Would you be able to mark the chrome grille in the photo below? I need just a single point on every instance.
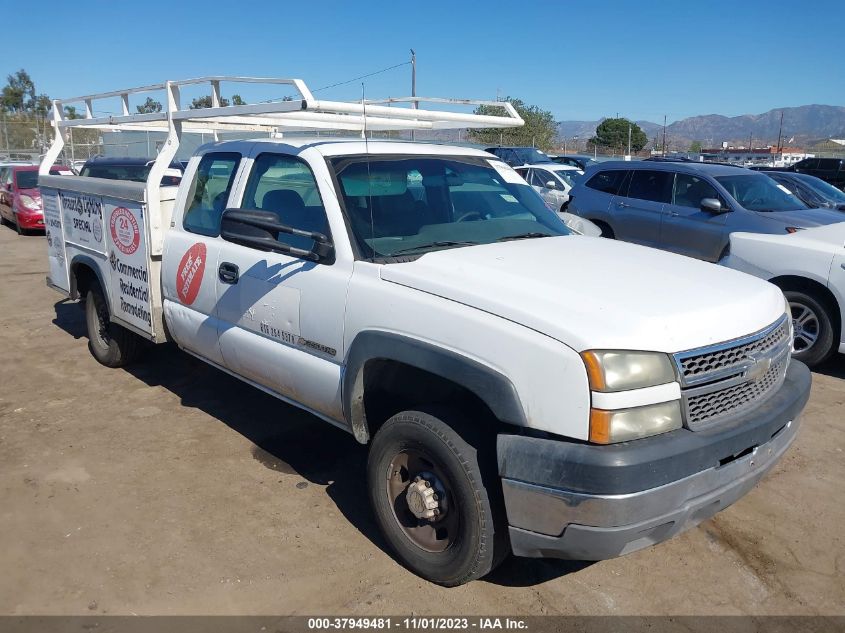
(709, 408)
(699, 366)
(724, 380)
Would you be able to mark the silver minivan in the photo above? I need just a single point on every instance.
(689, 208)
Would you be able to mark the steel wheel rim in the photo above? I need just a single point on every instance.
(805, 326)
(431, 535)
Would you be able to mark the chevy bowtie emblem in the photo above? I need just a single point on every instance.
(760, 366)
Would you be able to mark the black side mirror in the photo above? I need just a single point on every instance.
(257, 229)
(711, 205)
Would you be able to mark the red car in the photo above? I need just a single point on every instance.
(20, 199)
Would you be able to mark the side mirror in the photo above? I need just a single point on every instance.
(258, 229)
(551, 185)
(711, 205)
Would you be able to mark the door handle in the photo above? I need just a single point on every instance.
(674, 214)
(228, 273)
(622, 205)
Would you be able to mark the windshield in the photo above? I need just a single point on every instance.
(411, 205)
(569, 176)
(29, 179)
(824, 188)
(758, 192)
(531, 156)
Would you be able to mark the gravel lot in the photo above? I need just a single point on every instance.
(172, 488)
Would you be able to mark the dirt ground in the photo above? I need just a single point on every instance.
(172, 488)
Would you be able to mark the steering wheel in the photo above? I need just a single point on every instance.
(470, 214)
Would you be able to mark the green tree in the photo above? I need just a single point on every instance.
(613, 133)
(540, 129)
(695, 147)
(149, 106)
(236, 100)
(205, 102)
(18, 94)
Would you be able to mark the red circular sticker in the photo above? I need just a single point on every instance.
(124, 230)
(189, 274)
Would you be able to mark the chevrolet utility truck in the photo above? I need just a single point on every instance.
(522, 389)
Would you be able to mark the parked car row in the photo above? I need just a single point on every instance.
(20, 199)
(704, 210)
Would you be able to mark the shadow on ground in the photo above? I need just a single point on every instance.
(289, 440)
(833, 366)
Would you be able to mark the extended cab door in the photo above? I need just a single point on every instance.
(688, 230)
(281, 317)
(637, 213)
(191, 248)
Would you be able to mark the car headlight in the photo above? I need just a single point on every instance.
(30, 203)
(622, 425)
(614, 370)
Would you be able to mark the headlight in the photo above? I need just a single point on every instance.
(30, 203)
(611, 370)
(622, 425)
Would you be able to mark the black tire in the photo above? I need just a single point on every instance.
(814, 335)
(470, 531)
(606, 231)
(111, 344)
(18, 226)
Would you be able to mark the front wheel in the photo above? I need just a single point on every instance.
(812, 326)
(111, 344)
(429, 498)
(18, 227)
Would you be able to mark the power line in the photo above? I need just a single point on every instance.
(348, 81)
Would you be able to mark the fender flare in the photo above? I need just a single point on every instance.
(491, 387)
(90, 262)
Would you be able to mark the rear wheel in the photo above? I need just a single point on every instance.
(812, 325)
(427, 489)
(606, 231)
(111, 344)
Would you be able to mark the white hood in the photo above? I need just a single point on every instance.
(594, 293)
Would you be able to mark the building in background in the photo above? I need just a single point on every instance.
(764, 156)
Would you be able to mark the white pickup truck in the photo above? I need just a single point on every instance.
(522, 388)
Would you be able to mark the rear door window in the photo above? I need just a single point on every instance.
(655, 186)
(209, 193)
(607, 181)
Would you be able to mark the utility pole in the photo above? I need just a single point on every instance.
(779, 153)
(664, 136)
(414, 87)
(629, 140)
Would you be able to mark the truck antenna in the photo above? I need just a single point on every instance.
(369, 181)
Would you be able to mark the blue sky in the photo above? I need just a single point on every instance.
(581, 60)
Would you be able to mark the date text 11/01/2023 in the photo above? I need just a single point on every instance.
(417, 623)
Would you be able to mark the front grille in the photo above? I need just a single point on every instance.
(697, 367)
(709, 408)
(720, 381)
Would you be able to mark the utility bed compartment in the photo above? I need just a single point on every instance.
(107, 225)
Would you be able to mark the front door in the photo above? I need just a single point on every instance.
(281, 317)
(688, 230)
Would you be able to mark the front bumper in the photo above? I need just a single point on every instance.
(30, 219)
(584, 502)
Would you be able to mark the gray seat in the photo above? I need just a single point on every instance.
(290, 208)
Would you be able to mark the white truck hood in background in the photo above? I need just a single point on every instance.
(594, 293)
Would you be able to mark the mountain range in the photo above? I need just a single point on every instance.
(803, 124)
